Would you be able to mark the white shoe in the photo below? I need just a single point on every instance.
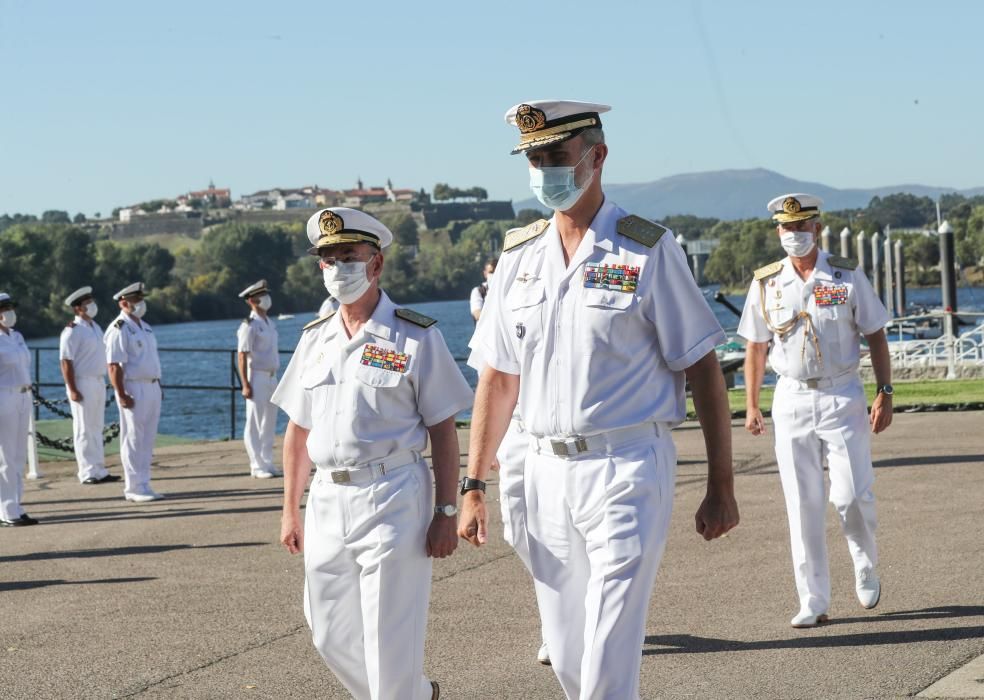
(543, 655)
(868, 586)
(805, 619)
(143, 497)
(262, 474)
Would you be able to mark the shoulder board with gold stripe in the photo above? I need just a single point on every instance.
(517, 238)
(119, 323)
(843, 263)
(640, 230)
(415, 318)
(318, 321)
(768, 270)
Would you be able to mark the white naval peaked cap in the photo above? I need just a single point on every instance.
(6, 298)
(254, 289)
(542, 122)
(135, 288)
(79, 293)
(794, 207)
(343, 225)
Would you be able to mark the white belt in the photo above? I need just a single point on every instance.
(155, 380)
(575, 445)
(367, 473)
(16, 389)
(822, 382)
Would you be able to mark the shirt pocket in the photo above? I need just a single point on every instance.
(377, 378)
(526, 310)
(604, 310)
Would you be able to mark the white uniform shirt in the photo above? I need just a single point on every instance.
(842, 305)
(259, 338)
(370, 396)
(596, 359)
(328, 306)
(82, 343)
(134, 346)
(15, 360)
(477, 300)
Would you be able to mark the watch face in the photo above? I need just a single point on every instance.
(888, 389)
(447, 510)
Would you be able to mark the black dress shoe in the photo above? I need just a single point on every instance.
(91, 480)
(108, 478)
(23, 521)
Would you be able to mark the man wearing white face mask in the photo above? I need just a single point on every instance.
(259, 359)
(594, 324)
(15, 413)
(364, 390)
(135, 373)
(814, 307)
(83, 366)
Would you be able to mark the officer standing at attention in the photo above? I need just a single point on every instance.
(259, 360)
(83, 366)
(595, 324)
(814, 307)
(135, 373)
(364, 390)
(15, 414)
(478, 294)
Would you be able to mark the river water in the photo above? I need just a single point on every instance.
(205, 414)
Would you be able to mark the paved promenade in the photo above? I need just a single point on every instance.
(191, 597)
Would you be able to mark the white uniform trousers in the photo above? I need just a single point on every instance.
(597, 529)
(138, 429)
(88, 417)
(261, 421)
(812, 424)
(15, 413)
(367, 580)
(512, 492)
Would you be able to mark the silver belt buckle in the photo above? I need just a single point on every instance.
(340, 476)
(569, 447)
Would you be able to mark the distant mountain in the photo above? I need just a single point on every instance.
(739, 194)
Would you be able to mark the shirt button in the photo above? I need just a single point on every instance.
(337, 443)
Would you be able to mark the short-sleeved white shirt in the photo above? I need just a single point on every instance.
(594, 359)
(132, 344)
(81, 342)
(477, 301)
(15, 360)
(258, 337)
(373, 395)
(842, 305)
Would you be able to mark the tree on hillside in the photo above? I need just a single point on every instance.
(55, 216)
(692, 227)
(901, 211)
(402, 226)
(524, 217)
(444, 192)
(79, 218)
(743, 247)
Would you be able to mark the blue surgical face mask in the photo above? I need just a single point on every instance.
(556, 187)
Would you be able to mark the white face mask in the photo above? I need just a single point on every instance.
(265, 302)
(91, 309)
(346, 281)
(798, 244)
(139, 309)
(9, 318)
(556, 187)
(488, 279)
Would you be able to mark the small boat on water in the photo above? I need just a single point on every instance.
(285, 317)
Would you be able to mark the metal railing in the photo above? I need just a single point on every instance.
(950, 349)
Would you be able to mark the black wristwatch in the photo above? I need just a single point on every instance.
(469, 484)
(886, 389)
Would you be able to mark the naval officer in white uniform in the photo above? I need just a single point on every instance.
(364, 390)
(814, 308)
(595, 323)
(135, 373)
(259, 359)
(15, 412)
(83, 366)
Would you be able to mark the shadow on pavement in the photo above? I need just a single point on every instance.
(120, 551)
(172, 496)
(927, 461)
(28, 585)
(114, 515)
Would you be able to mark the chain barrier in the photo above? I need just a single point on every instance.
(110, 432)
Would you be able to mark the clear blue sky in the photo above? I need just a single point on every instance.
(110, 103)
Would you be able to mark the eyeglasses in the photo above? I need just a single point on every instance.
(330, 260)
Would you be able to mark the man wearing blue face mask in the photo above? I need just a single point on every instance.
(594, 326)
(814, 307)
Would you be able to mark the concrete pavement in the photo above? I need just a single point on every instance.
(192, 598)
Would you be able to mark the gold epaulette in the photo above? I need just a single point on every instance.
(415, 318)
(843, 263)
(528, 233)
(318, 321)
(768, 270)
(640, 230)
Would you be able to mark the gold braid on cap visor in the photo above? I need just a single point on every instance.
(559, 129)
(784, 329)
